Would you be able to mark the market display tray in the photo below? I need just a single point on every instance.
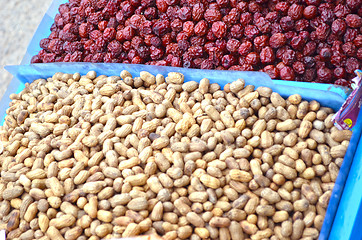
(328, 95)
(342, 219)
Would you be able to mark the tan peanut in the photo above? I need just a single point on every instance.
(92, 157)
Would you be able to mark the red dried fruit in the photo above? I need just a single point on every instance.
(354, 21)
(267, 55)
(272, 17)
(246, 67)
(263, 25)
(176, 25)
(358, 41)
(252, 58)
(295, 11)
(115, 48)
(324, 75)
(49, 57)
(198, 12)
(155, 41)
(322, 31)
(176, 62)
(282, 7)
(156, 53)
(325, 54)
(161, 5)
(251, 31)
(297, 43)
(44, 43)
(102, 25)
(161, 27)
(136, 42)
(272, 71)
(109, 34)
(55, 46)
(301, 25)
(342, 82)
(350, 35)
(287, 73)
(245, 18)
(339, 27)
(288, 57)
(236, 68)
(352, 64)
(245, 48)
(201, 28)
(232, 45)
(260, 42)
(310, 48)
(341, 11)
(339, 72)
(219, 29)
(287, 23)
(195, 52)
(310, 12)
(313, 2)
(254, 7)
(359, 54)
(188, 28)
(284, 35)
(349, 49)
(309, 75)
(197, 41)
(185, 13)
(354, 4)
(36, 59)
(277, 40)
(299, 67)
(212, 15)
(228, 61)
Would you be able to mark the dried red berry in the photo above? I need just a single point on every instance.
(272, 71)
(219, 29)
(267, 55)
(310, 12)
(352, 64)
(299, 67)
(339, 72)
(295, 11)
(212, 15)
(277, 40)
(245, 48)
(287, 73)
(354, 21)
(324, 75)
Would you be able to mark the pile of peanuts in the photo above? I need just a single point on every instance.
(92, 157)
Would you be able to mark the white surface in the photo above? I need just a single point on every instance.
(18, 22)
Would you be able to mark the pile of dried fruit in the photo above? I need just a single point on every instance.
(89, 157)
(309, 40)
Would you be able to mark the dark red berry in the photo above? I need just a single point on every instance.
(219, 29)
(267, 55)
(287, 73)
(277, 40)
(324, 75)
(272, 71)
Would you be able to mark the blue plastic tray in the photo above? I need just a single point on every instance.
(327, 95)
(346, 222)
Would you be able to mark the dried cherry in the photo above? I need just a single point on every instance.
(297, 40)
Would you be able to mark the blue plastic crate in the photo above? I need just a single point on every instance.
(343, 225)
(327, 95)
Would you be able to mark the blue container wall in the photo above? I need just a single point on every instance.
(346, 223)
(327, 95)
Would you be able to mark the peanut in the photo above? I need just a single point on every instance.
(87, 157)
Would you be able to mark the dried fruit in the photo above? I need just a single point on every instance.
(87, 31)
